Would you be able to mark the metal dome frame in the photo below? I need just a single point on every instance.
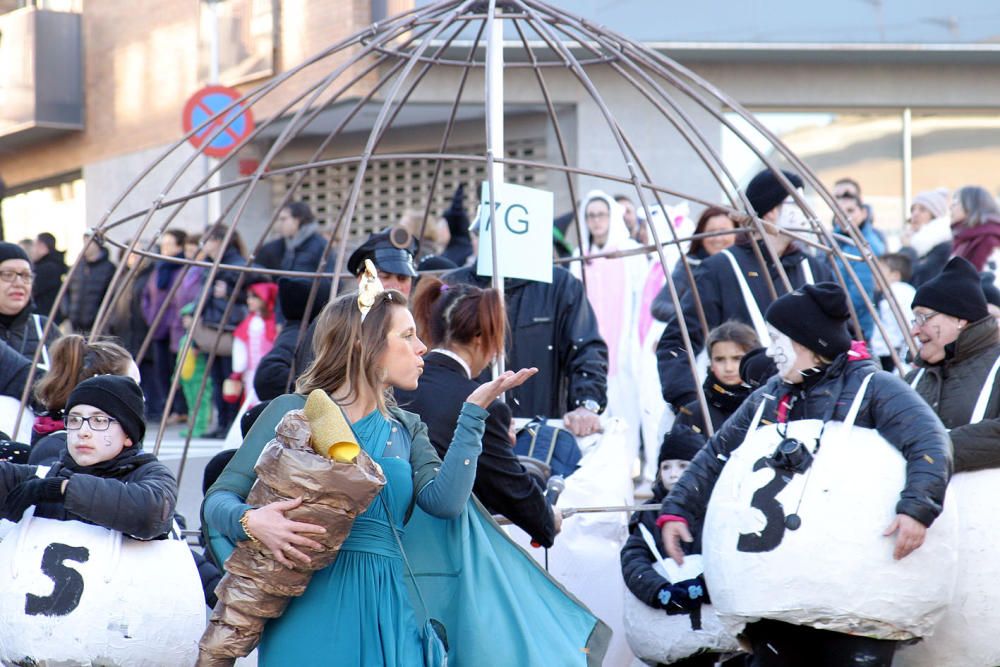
(398, 53)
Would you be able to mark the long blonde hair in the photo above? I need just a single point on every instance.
(347, 351)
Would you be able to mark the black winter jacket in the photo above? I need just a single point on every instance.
(931, 264)
(18, 342)
(636, 559)
(889, 406)
(21, 332)
(722, 300)
(304, 257)
(270, 380)
(722, 401)
(87, 289)
(952, 388)
(215, 306)
(502, 484)
(126, 321)
(662, 307)
(49, 272)
(553, 328)
(14, 370)
(139, 503)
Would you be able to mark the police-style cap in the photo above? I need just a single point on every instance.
(392, 251)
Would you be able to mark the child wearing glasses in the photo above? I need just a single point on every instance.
(104, 477)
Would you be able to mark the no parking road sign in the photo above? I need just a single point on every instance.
(237, 124)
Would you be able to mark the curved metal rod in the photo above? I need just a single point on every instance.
(289, 131)
(630, 165)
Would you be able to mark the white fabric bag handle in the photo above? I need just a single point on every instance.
(852, 414)
(807, 271)
(44, 366)
(751, 303)
(755, 422)
(979, 411)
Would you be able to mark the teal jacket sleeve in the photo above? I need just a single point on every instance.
(224, 503)
(446, 494)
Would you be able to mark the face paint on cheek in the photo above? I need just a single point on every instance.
(106, 441)
(780, 350)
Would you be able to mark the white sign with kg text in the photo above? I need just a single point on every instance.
(523, 218)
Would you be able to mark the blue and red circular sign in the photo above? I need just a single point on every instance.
(236, 124)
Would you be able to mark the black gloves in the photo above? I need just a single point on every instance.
(32, 492)
(684, 597)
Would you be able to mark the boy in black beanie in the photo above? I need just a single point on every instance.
(104, 478)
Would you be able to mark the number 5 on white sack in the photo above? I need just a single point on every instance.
(71, 592)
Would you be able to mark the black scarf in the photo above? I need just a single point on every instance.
(726, 397)
(165, 272)
(127, 460)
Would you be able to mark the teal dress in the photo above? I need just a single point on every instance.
(473, 577)
(357, 609)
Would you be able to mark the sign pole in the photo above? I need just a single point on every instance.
(494, 139)
(215, 180)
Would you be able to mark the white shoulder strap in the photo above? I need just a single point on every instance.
(755, 422)
(44, 366)
(852, 414)
(807, 271)
(748, 298)
(916, 378)
(984, 394)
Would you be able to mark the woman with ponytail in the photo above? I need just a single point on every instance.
(73, 360)
(465, 326)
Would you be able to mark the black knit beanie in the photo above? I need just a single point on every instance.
(117, 396)
(814, 316)
(12, 251)
(956, 291)
(765, 191)
(682, 443)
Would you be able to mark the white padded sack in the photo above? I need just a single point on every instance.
(967, 634)
(76, 594)
(585, 557)
(8, 415)
(656, 637)
(836, 571)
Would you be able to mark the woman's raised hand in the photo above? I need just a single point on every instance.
(488, 392)
(280, 535)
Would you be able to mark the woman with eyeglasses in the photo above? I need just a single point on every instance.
(21, 329)
(957, 368)
(104, 477)
(821, 376)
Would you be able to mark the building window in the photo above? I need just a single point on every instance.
(392, 187)
(239, 36)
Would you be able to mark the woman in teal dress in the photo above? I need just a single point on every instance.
(357, 611)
